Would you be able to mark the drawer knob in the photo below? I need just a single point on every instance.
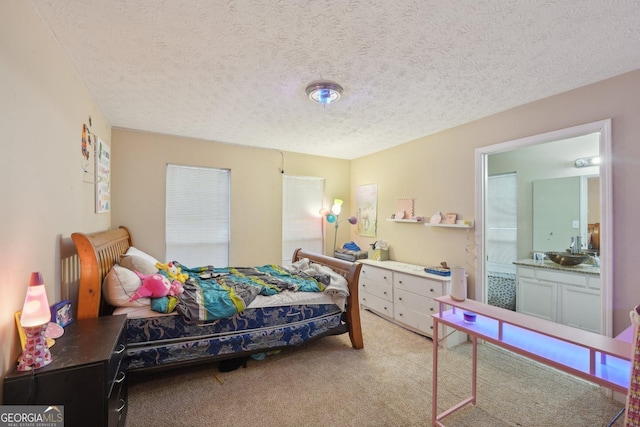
(400, 298)
(120, 349)
(400, 314)
(430, 327)
(385, 277)
(431, 290)
(431, 308)
(400, 281)
(121, 377)
(122, 405)
(385, 292)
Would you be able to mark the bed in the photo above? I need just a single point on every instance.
(157, 341)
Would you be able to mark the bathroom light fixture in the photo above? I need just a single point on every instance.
(324, 92)
(587, 161)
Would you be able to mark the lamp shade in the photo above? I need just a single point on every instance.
(36, 310)
(337, 206)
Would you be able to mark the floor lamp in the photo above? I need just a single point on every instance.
(333, 218)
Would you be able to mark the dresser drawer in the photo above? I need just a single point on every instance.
(418, 285)
(379, 289)
(416, 320)
(117, 406)
(116, 361)
(376, 274)
(377, 304)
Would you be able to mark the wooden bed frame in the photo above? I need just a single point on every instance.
(98, 252)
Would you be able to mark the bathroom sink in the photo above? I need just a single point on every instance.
(567, 259)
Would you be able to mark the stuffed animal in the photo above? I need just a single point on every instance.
(173, 271)
(156, 286)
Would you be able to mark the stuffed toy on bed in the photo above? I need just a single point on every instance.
(156, 286)
(173, 271)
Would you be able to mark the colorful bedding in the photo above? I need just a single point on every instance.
(217, 293)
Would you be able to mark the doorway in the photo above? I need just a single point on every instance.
(602, 131)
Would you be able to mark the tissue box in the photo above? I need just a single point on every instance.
(379, 254)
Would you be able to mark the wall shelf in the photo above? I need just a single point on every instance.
(458, 224)
(414, 221)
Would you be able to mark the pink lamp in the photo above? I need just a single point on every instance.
(36, 315)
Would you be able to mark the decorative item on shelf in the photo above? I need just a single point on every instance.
(436, 218)
(450, 218)
(469, 317)
(34, 321)
(458, 284)
(333, 218)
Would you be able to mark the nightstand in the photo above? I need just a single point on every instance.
(87, 375)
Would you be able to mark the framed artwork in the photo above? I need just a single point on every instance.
(61, 313)
(366, 209)
(103, 177)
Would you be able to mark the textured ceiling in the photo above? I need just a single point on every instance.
(236, 71)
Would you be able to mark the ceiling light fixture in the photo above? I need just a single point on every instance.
(324, 92)
(587, 161)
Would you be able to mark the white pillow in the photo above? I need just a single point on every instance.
(119, 285)
(138, 263)
(138, 252)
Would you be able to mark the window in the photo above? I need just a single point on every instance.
(301, 220)
(197, 216)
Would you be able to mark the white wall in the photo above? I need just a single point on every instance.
(43, 106)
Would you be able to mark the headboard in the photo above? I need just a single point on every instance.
(98, 252)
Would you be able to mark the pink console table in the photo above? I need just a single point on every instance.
(596, 358)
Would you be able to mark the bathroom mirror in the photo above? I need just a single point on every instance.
(564, 208)
(538, 158)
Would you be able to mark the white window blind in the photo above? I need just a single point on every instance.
(301, 220)
(197, 216)
(502, 223)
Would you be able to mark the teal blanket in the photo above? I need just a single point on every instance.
(215, 293)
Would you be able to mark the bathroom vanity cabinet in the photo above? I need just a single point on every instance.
(565, 295)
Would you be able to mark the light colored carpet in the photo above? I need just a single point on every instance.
(388, 383)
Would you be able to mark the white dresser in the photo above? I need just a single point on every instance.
(404, 294)
(566, 295)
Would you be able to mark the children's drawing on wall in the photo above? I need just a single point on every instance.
(103, 177)
(366, 209)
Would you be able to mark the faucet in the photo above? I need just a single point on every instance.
(576, 245)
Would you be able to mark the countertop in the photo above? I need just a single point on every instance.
(550, 265)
